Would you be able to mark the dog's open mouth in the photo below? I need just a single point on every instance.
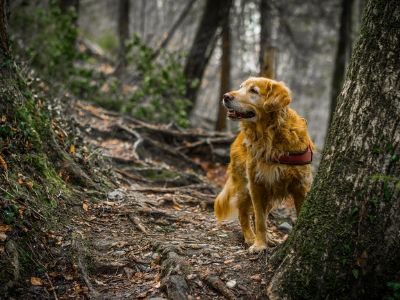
(234, 115)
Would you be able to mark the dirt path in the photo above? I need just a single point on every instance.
(145, 240)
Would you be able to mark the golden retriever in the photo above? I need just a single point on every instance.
(270, 157)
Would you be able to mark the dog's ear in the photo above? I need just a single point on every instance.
(278, 97)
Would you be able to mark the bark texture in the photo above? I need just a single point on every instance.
(203, 45)
(267, 48)
(346, 244)
(225, 76)
(123, 33)
(343, 52)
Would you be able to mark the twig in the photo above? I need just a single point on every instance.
(52, 286)
(135, 220)
(130, 176)
(86, 278)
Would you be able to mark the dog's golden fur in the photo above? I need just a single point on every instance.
(269, 129)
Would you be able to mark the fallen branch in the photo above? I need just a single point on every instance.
(51, 286)
(219, 286)
(136, 221)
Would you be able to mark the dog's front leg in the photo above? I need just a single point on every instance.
(258, 197)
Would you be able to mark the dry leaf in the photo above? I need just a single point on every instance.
(85, 206)
(256, 277)
(3, 164)
(5, 228)
(36, 281)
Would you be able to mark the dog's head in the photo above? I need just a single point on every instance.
(255, 98)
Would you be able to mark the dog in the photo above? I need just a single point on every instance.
(269, 159)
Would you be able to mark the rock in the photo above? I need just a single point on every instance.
(3, 236)
(116, 195)
(285, 227)
(177, 288)
(231, 284)
(256, 277)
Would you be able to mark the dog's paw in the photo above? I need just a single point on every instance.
(249, 239)
(256, 247)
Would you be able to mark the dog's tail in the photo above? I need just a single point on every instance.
(224, 206)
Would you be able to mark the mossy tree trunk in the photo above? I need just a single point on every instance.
(346, 243)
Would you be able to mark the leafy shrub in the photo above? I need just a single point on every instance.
(49, 37)
(160, 95)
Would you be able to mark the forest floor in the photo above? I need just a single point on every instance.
(149, 237)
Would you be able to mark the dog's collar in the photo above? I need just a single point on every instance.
(297, 158)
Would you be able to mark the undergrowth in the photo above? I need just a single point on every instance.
(150, 89)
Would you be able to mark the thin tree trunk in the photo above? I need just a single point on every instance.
(346, 243)
(225, 73)
(143, 19)
(203, 46)
(67, 5)
(174, 27)
(123, 33)
(343, 53)
(267, 56)
(4, 50)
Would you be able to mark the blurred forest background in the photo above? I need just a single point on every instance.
(170, 61)
(114, 144)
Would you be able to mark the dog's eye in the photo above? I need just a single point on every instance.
(253, 90)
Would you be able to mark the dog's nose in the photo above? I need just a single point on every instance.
(227, 97)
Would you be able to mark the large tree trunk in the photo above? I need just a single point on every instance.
(267, 58)
(343, 52)
(225, 73)
(123, 33)
(203, 46)
(346, 243)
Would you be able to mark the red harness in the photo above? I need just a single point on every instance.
(301, 158)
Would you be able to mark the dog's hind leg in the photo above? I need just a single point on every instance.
(299, 193)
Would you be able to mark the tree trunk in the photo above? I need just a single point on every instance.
(225, 73)
(123, 33)
(203, 46)
(346, 243)
(343, 52)
(66, 5)
(267, 56)
(171, 32)
(143, 20)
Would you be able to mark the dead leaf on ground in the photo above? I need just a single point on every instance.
(5, 228)
(36, 281)
(85, 206)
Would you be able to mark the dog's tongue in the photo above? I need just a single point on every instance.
(235, 114)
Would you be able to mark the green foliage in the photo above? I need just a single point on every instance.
(50, 37)
(108, 42)
(46, 37)
(160, 95)
(395, 291)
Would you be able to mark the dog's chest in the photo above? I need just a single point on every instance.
(268, 174)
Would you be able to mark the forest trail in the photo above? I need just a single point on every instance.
(155, 237)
